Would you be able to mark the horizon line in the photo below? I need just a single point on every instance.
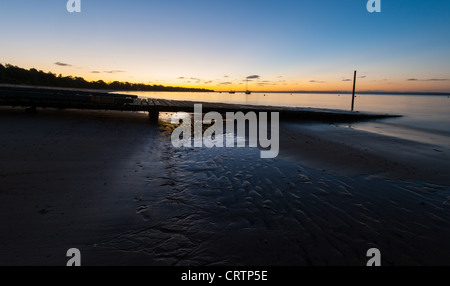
(348, 92)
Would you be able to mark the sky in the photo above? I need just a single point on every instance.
(282, 45)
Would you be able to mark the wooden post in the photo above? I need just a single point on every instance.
(354, 87)
(153, 115)
(31, 110)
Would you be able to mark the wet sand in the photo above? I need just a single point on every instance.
(347, 151)
(111, 184)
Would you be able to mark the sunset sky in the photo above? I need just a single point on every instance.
(289, 45)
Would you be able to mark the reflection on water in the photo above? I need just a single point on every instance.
(334, 101)
(425, 118)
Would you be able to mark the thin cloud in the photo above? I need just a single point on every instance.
(347, 79)
(225, 83)
(264, 83)
(189, 79)
(63, 64)
(225, 76)
(430, 79)
(253, 76)
(437, 79)
(316, 81)
(363, 76)
(114, 71)
(95, 72)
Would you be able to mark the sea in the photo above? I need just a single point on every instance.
(424, 118)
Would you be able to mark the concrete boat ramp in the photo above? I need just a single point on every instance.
(33, 97)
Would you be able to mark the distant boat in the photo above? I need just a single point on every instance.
(232, 92)
(247, 91)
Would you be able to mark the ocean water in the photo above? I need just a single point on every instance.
(425, 118)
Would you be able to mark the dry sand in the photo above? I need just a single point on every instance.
(111, 184)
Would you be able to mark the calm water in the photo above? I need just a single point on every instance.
(425, 118)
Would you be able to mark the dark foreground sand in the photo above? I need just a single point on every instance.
(111, 184)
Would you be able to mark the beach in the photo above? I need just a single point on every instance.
(112, 185)
(352, 152)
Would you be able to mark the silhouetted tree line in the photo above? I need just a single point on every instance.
(15, 75)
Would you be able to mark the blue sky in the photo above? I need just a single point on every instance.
(291, 45)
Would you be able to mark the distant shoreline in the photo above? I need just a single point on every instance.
(361, 92)
(10, 74)
(93, 90)
(289, 92)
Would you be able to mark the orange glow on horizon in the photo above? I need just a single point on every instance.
(271, 85)
(397, 85)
